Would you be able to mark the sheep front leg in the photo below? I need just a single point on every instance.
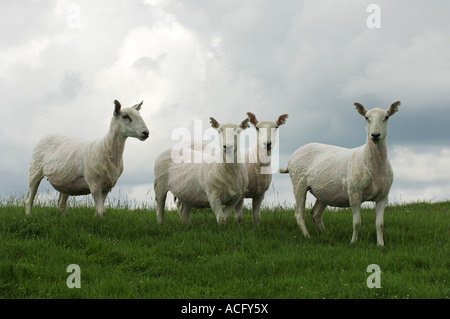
(99, 200)
(379, 222)
(184, 211)
(238, 210)
(256, 205)
(216, 206)
(62, 202)
(229, 208)
(356, 210)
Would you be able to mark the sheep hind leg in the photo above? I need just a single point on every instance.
(160, 196)
(62, 202)
(300, 201)
(316, 214)
(34, 181)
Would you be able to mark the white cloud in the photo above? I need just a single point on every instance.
(427, 194)
(412, 165)
(161, 63)
(192, 60)
(420, 174)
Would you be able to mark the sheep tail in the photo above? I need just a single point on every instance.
(284, 170)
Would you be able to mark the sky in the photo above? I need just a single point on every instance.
(63, 63)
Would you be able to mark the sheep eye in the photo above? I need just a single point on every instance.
(126, 117)
(386, 118)
(367, 119)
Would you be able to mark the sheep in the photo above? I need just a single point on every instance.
(76, 167)
(220, 179)
(344, 177)
(257, 163)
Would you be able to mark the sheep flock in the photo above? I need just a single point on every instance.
(227, 174)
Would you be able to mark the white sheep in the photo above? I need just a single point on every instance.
(344, 177)
(220, 179)
(76, 167)
(258, 162)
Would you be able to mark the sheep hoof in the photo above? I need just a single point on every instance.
(101, 214)
(221, 221)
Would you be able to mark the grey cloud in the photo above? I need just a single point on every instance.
(146, 64)
(310, 59)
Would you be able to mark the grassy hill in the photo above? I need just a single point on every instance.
(126, 255)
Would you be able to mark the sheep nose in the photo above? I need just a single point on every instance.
(268, 146)
(375, 137)
(145, 134)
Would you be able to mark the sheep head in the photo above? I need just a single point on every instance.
(229, 136)
(377, 120)
(267, 131)
(129, 122)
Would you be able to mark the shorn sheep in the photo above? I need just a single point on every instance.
(345, 177)
(258, 163)
(76, 167)
(220, 179)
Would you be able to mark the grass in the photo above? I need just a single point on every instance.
(126, 255)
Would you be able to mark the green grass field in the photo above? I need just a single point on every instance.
(126, 255)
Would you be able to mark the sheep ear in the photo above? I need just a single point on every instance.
(282, 119)
(252, 118)
(213, 122)
(244, 124)
(117, 107)
(360, 108)
(393, 108)
(137, 107)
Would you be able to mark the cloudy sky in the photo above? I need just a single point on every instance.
(62, 64)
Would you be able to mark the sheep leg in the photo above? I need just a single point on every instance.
(62, 202)
(238, 211)
(161, 202)
(216, 206)
(316, 214)
(34, 181)
(300, 200)
(229, 209)
(256, 204)
(356, 210)
(379, 222)
(99, 200)
(184, 211)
